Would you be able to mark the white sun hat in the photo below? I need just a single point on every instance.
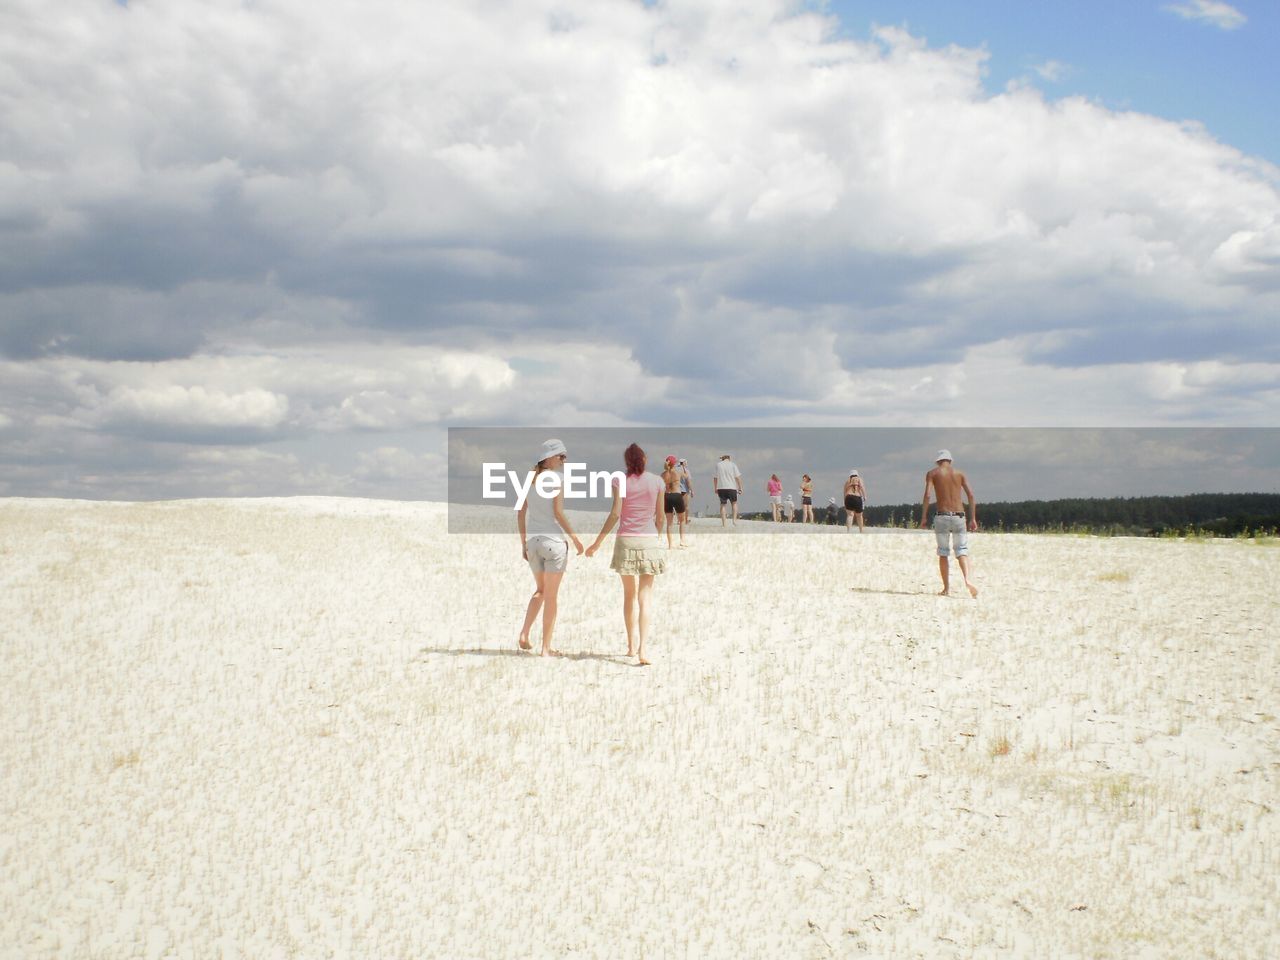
(942, 455)
(853, 473)
(551, 448)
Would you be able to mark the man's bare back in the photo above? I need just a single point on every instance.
(948, 485)
(955, 499)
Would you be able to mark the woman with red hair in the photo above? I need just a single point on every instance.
(638, 556)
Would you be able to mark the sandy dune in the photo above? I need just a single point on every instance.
(300, 729)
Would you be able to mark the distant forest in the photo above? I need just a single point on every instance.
(1219, 514)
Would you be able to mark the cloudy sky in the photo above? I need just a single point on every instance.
(254, 247)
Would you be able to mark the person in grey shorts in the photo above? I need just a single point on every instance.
(956, 518)
(543, 528)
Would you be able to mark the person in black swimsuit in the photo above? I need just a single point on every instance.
(855, 495)
(673, 502)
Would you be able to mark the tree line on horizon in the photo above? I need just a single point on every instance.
(1217, 514)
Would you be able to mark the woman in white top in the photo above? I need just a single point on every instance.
(543, 526)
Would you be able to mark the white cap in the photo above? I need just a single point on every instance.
(551, 448)
(853, 473)
(942, 455)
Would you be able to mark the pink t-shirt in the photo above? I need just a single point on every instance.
(636, 519)
(775, 487)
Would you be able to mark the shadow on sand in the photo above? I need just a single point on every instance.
(513, 652)
(897, 593)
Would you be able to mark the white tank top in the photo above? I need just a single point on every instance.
(540, 518)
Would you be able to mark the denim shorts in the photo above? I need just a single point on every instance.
(950, 529)
(547, 554)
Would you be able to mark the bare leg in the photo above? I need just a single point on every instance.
(550, 593)
(684, 522)
(735, 513)
(945, 569)
(670, 524)
(860, 527)
(964, 569)
(848, 522)
(722, 523)
(531, 613)
(646, 595)
(629, 611)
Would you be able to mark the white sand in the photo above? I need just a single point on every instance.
(300, 729)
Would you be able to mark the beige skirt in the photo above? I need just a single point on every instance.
(633, 556)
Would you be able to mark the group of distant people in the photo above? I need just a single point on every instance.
(784, 507)
(651, 502)
(728, 481)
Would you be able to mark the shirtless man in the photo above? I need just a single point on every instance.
(949, 524)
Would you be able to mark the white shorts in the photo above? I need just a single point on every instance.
(950, 529)
(547, 554)
(777, 500)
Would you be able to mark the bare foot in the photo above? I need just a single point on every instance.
(552, 653)
(944, 592)
(643, 662)
(973, 591)
(525, 644)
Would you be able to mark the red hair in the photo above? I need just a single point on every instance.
(634, 458)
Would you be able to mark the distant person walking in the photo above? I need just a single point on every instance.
(833, 510)
(806, 497)
(789, 509)
(543, 528)
(673, 500)
(855, 500)
(638, 556)
(686, 491)
(949, 523)
(728, 481)
(773, 487)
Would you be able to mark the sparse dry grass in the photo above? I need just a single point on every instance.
(118, 760)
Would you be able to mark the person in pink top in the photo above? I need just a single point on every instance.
(774, 488)
(638, 556)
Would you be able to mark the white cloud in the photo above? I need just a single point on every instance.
(1219, 14)
(328, 390)
(232, 223)
(401, 468)
(1052, 70)
(174, 405)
